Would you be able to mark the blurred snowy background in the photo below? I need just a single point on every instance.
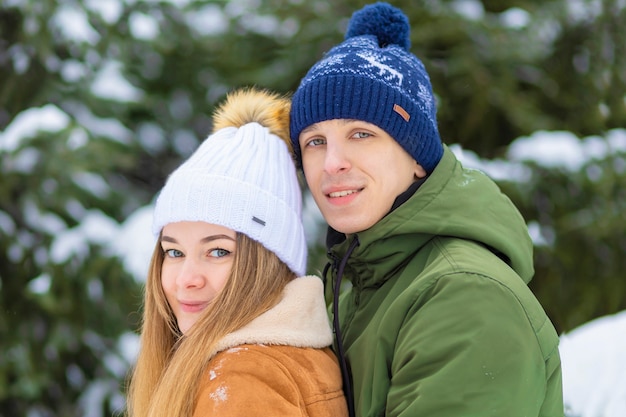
(101, 99)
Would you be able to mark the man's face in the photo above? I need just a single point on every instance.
(355, 171)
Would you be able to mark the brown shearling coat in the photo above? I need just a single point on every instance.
(279, 364)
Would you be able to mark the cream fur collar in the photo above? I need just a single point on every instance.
(299, 319)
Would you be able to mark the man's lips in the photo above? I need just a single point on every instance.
(341, 197)
(343, 193)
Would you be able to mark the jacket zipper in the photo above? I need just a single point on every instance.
(339, 269)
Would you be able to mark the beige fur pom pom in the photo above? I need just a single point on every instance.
(250, 105)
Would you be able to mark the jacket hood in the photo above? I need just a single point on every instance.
(456, 202)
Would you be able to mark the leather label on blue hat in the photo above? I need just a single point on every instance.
(403, 113)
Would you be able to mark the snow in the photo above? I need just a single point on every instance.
(111, 84)
(219, 395)
(594, 368)
(143, 26)
(73, 24)
(131, 241)
(7, 225)
(92, 183)
(515, 18)
(135, 242)
(593, 355)
(540, 235)
(94, 228)
(72, 70)
(583, 10)
(41, 284)
(565, 150)
(109, 10)
(109, 128)
(498, 169)
(469, 9)
(26, 124)
(550, 149)
(208, 20)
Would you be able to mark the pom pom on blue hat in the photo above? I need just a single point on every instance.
(389, 25)
(372, 76)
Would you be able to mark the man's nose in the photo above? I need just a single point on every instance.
(337, 158)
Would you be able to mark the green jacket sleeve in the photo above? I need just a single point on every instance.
(469, 347)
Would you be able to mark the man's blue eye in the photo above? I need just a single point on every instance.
(316, 142)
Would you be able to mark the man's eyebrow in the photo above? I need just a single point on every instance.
(203, 240)
(309, 128)
(314, 125)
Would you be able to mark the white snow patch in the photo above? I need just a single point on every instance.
(109, 10)
(73, 24)
(111, 84)
(594, 369)
(470, 9)
(515, 18)
(219, 395)
(143, 26)
(29, 122)
(134, 243)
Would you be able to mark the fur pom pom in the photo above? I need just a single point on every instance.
(384, 21)
(251, 105)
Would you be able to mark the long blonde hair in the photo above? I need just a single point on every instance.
(167, 373)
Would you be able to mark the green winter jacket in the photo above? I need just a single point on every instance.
(439, 320)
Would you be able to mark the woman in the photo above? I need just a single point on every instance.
(230, 325)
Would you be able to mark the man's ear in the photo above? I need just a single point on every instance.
(419, 171)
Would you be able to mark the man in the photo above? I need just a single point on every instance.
(439, 320)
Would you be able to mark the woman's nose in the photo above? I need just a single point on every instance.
(192, 274)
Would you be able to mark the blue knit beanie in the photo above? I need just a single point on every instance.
(373, 77)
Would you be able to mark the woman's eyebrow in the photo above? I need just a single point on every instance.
(216, 237)
(203, 240)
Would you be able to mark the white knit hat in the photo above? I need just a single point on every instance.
(242, 177)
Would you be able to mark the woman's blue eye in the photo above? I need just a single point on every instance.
(219, 253)
(361, 135)
(173, 253)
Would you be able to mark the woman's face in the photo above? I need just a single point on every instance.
(197, 262)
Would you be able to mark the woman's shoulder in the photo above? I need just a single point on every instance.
(253, 358)
(287, 374)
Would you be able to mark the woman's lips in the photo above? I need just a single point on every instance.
(192, 306)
